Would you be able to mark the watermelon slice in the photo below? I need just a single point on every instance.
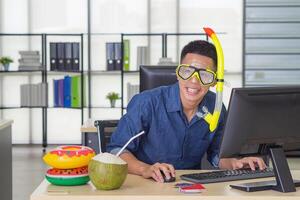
(68, 177)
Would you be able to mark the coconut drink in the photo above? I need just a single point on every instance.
(107, 171)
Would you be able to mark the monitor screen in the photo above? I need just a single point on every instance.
(156, 75)
(259, 116)
(264, 121)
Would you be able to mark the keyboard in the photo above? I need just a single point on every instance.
(227, 175)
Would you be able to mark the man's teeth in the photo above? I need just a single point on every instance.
(192, 90)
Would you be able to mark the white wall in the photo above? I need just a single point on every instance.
(14, 16)
(58, 16)
(38, 16)
(222, 16)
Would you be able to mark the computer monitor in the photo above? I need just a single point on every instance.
(264, 121)
(156, 75)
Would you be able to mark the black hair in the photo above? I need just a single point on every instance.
(200, 47)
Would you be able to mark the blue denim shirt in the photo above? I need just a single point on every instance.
(169, 137)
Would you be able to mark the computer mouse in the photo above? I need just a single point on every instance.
(171, 179)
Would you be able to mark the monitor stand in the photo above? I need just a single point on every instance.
(284, 181)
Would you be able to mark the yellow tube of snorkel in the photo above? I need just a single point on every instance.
(213, 119)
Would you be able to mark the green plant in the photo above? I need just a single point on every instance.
(112, 96)
(5, 60)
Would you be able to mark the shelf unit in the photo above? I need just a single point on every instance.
(135, 72)
(50, 73)
(27, 73)
(162, 47)
(271, 43)
(45, 73)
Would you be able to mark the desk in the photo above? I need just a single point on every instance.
(6, 159)
(135, 187)
(90, 135)
(89, 138)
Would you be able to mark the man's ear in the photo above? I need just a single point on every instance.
(215, 83)
(177, 77)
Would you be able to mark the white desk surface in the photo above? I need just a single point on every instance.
(88, 129)
(135, 187)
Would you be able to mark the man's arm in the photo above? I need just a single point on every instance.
(138, 167)
(229, 163)
(137, 118)
(234, 163)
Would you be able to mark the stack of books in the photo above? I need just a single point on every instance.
(132, 90)
(33, 95)
(142, 56)
(30, 60)
(166, 61)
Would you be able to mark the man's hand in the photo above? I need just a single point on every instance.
(154, 171)
(138, 167)
(247, 162)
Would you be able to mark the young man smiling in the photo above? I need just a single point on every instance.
(176, 138)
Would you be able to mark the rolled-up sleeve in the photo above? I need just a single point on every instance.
(214, 147)
(134, 121)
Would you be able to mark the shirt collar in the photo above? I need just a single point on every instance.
(174, 102)
(173, 99)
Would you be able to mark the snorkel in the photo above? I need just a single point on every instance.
(213, 119)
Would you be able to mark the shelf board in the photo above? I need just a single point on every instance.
(108, 34)
(117, 72)
(51, 107)
(20, 34)
(105, 107)
(131, 72)
(20, 71)
(18, 107)
(104, 72)
(62, 72)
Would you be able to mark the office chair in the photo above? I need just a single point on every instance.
(104, 128)
(152, 76)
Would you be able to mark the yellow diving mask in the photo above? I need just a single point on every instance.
(206, 77)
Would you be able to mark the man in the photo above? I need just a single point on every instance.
(175, 137)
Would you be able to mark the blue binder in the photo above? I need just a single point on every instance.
(61, 92)
(67, 91)
(55, 93)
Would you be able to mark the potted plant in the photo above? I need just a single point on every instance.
(5, 61)
(112, 97)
